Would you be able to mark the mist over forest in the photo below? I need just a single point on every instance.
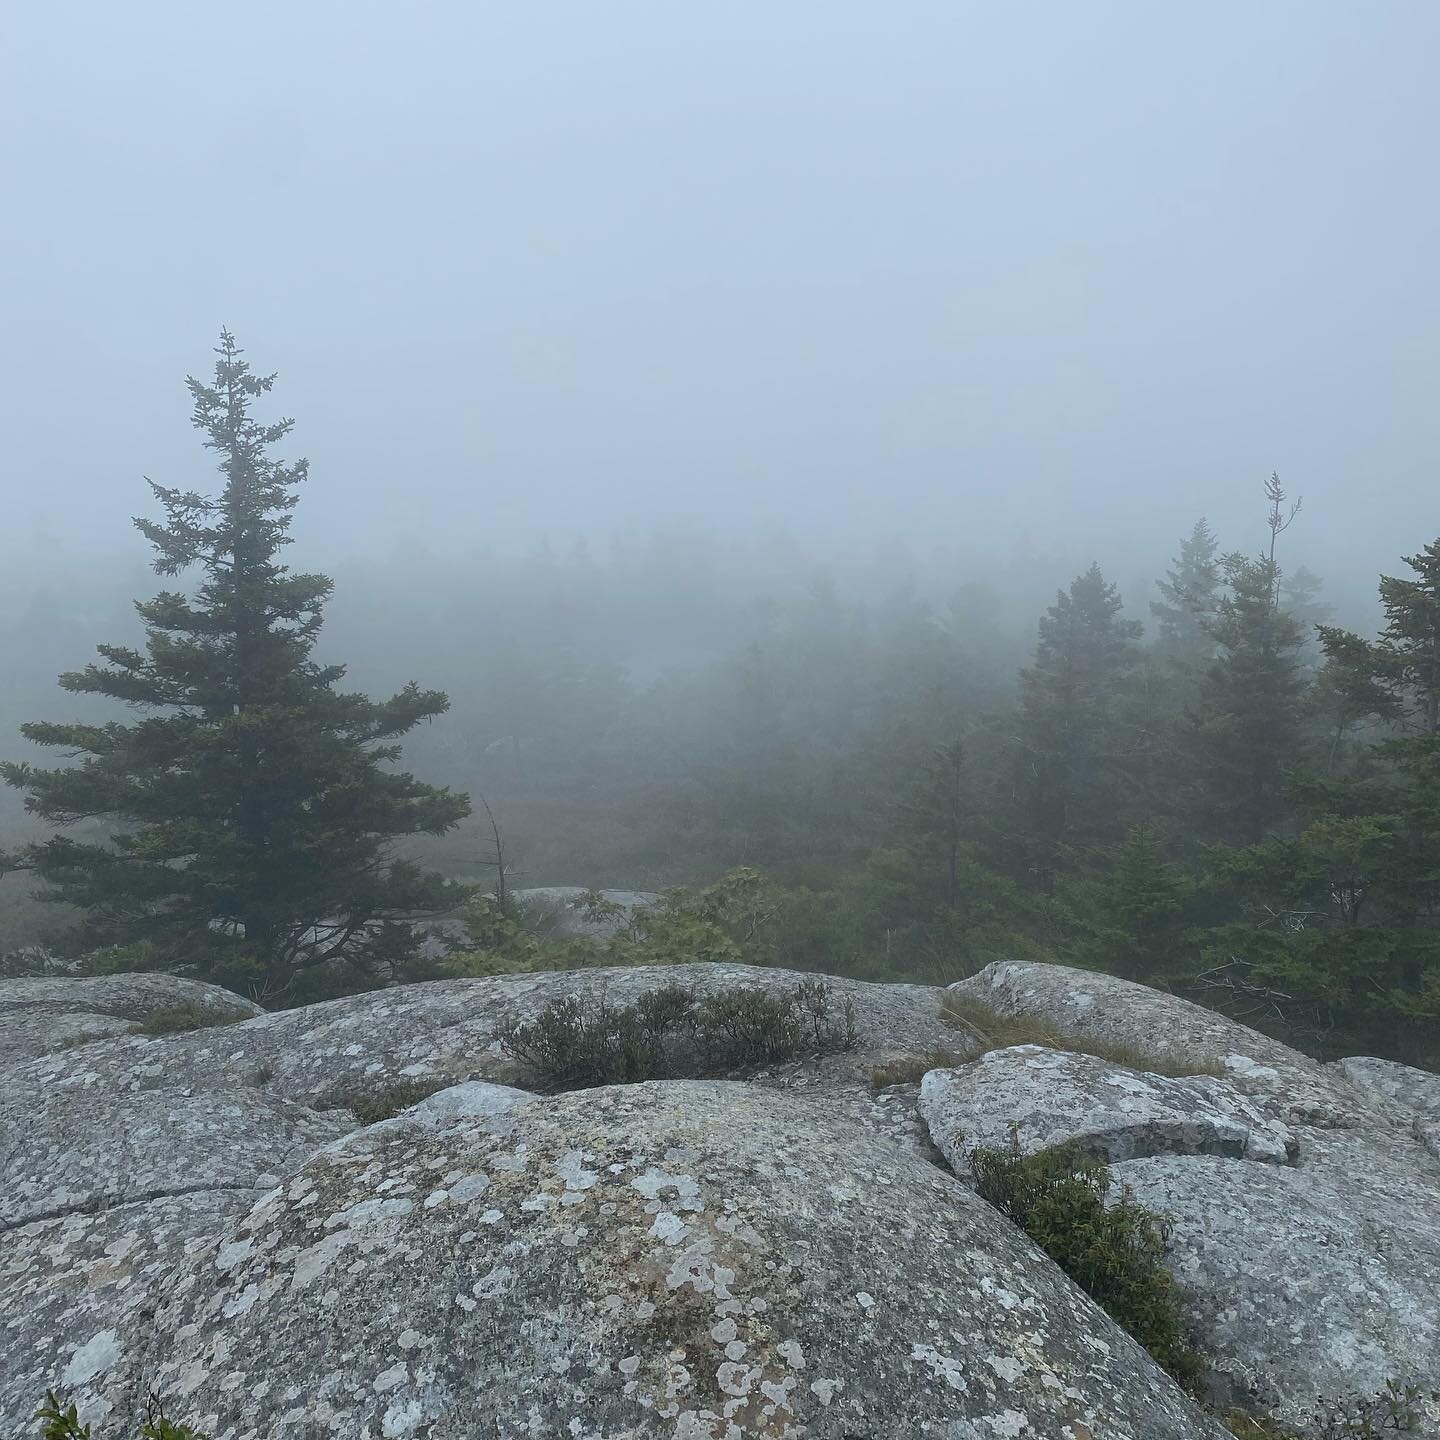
(786, 447)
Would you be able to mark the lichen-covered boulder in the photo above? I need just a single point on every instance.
(100, 1195)
(1308, 1284)
(1092, 1007)
(444, 1032)
(1036, 1098)
(696, 1260)
(71, 1285)
(40, 1015)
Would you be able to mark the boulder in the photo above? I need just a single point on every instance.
(1037, 1098)
(1090, 1007)
(41, 1015)
(1312, 1284)
(1416, 1090)
(693, 1259)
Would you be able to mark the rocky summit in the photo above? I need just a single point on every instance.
(365, 1218)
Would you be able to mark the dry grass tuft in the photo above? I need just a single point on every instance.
(997, 1031)
(911, 1069)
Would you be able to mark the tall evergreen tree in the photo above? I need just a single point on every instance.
(1246, 727)
(255, 807)
(1074, 744)
(1190, 593)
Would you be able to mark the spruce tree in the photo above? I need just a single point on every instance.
(1190, 591)
(1075, 742)
(1396, 680)
(1245, 732)
(254, 808)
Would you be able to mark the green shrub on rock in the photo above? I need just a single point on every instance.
(1111, 1250)
(672, 1031)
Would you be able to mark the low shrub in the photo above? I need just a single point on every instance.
(381, 1100)
(672, 1031)
(175, 1019)
(1112, 1251)
(997, 1031)
(62, 1423)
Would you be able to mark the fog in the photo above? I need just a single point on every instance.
(630, 340)
(999, 278)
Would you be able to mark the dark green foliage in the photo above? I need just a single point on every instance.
(62, 1422)
(671, 1031)
(1133, 917)
(1075, 745)
(253, 808)
(1246, 726)
(1113, 1251)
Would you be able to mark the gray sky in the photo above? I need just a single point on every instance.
(942, 269)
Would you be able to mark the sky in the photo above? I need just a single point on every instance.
(998, 274)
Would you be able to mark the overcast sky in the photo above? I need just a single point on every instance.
(939, 269)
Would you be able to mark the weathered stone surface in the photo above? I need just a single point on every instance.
(70, 1286)
(446, 1031)
(77, 1150)
(1089, 1006)
(1417, 1090)
(41, 1015)
(101, 1193)
(685, 1259)
(1311, 1283)
(1052, 1097)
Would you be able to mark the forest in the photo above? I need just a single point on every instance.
(890, 768)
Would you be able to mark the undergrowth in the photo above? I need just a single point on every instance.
(672, 1031)
(998, 1031)
(1113, 1251)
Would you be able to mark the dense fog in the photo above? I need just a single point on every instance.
(987, 276)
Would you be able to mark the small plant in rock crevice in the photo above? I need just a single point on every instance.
(1112, 1248)
(62, 1422)
(382, 1100)
(671, 1031)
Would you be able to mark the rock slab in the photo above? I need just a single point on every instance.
(1035, 1098)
